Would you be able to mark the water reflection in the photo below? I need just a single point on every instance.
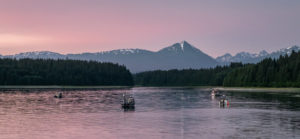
(267, 100)
(159, 113)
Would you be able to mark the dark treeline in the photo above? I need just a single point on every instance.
(188, 77)
(62, 72)
(281, 72)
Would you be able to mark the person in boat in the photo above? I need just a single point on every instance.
(213, 92)
(131, 100)
(224, 102)
(128, 102)
(59, 95)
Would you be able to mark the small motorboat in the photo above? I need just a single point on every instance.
(215, 93)
(128, 102)
(58, 95)
(224, 102)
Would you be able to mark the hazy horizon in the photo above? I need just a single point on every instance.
(214, 27)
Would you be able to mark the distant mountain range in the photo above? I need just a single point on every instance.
(177, 56)
(246, 57)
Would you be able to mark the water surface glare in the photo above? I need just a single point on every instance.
(159, 113)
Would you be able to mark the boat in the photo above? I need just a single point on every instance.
(224, 102)
(215, 93)
(58, 95)
(128, 102)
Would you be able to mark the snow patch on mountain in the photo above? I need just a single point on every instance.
(37, 55)
(182, 45)
(226, 57)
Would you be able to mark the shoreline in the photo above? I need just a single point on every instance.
(46, 87)
(238, 89)
(233, 89)
(259, 89)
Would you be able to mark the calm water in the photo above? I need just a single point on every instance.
(159, 113)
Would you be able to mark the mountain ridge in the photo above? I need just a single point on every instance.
(246, 57)
(181, 55)
(177, 56)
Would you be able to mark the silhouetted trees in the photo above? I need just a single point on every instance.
(281, 72)
(188, 77)
(62, 72)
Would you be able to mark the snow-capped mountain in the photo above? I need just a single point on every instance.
(177, 56)
(181, 47)
(176, 48)
(284, 51)
(183, 55)
(245, 57)
(225, 58)
(124, 51)
(262, 53)
(37, 55)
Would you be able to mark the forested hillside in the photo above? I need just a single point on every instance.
(189, 77)
(281, 72)
(62, 72)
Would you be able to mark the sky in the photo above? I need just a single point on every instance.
(214, 26)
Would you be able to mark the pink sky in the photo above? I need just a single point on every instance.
(218, 27)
